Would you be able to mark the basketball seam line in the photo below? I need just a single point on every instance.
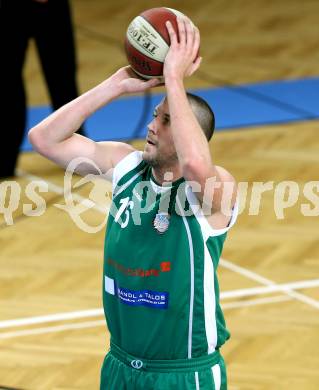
(168, 44)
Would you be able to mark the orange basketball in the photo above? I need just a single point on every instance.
(147, 41)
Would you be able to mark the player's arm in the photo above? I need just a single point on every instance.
(190, 142)
(55, 136)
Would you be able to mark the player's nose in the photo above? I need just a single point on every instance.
(151, 127)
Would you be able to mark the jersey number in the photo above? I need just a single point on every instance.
(126, 204)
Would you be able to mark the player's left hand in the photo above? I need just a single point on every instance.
(182, 59)
(129, 82)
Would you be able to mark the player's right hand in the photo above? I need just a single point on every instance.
(182, 59)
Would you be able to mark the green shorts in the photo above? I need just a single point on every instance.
(122, 371)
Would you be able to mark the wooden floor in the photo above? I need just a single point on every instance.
(49, 266)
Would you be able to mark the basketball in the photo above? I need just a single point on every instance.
(147, 41)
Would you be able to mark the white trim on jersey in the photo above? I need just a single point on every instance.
(209, 302)
(127, 163)
(209, 281)
(216, 376)
(124, 186)
(159, 189)
(207, 229)
(192, 281)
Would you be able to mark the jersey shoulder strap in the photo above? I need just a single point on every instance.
(207, 230)
(126, 169)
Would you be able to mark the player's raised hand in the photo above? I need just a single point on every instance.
(129, 82)
(182, 59)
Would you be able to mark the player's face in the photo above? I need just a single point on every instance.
(159, 150)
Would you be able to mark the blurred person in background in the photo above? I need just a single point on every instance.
(49, 22)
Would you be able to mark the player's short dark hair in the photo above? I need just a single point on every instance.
(204, 114)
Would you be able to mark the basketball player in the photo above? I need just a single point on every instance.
(160, 290)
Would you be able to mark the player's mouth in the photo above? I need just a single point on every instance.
(150, 142)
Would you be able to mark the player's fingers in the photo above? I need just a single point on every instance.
(181, 31)
(196, 43)
(190, 33)
(171, 33)
(198, 62)
(195, 65)
(131, 73)
(152, 83)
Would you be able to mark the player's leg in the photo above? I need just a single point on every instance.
(14, 35)
(53, 33)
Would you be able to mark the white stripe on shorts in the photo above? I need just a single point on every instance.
(216, 376)
(196, 380)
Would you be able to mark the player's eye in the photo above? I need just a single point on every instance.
(166, 119)
(155, 114)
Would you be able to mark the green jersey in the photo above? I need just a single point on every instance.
(160, 289)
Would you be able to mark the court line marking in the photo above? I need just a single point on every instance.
(254, 302)
(91, 324)
(245, 292)
(99, 312)
(50, 329)
(258, 278)
(51, 318)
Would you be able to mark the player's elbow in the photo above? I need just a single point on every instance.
(35, 138)
(196, 169)
(38, 141)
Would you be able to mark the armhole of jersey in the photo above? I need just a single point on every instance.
(207, 229)
(129, 162)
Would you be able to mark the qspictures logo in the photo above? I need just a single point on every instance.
(300, 198)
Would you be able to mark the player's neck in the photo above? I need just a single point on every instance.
(166, 174)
